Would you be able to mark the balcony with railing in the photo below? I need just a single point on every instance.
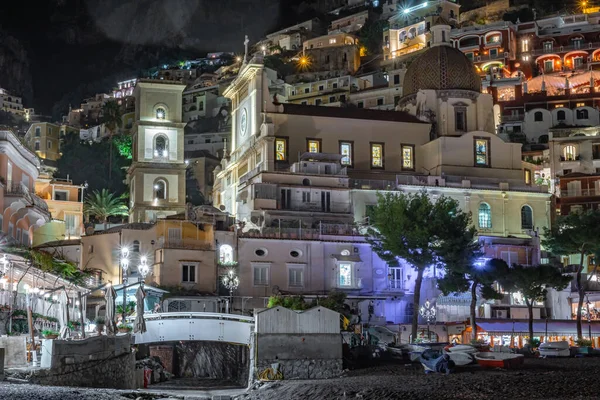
(184, 244)
(317, 230)
(512, 118)
(580, 193)
(561, 49)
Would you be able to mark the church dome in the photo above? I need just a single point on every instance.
(441, 67)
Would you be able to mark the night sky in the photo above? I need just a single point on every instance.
(78, 47)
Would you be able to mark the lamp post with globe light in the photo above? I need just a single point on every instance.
(231, 282)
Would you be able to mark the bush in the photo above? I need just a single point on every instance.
(124, 327)
(49, 332)
(584, 342)
(534, 343)
(100, 321)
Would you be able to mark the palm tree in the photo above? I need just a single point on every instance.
(112, 119)
(103, 205)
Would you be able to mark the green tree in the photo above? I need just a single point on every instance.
(473, 276)
(371, 36)
(576, 233)
(533, 283)
(413, 228)
(83, 161)
(112, 119)
(103, 205)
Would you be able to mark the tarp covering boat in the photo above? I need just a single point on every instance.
(555, 328)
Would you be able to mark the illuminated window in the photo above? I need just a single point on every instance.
(525, 45)
(160, 190)
(580, 104)
(161, 148)
(559, 106)
(314, 145)
(482, 152)
(332, 41)
(570, 153)
(408, 157)
(345, 273)
(526, 217)
(376, 155)
(161, 113)
(485, 216)
(346, 153)
(225, 254)
(280, 149)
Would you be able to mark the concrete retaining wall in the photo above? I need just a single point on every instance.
(307, 345)
(15, 353)
(115, 372)
(295, 346)
(56, 353)
(305, 369)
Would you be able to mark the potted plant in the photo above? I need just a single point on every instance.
(49, 334)
(585, 346)
(124, 328)
(100, 321)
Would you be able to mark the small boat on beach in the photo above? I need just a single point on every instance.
(555, 349)
(499, 360)
(461, 354)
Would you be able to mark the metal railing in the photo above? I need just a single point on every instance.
(323, 229)
(512, 118)
(579, 193)
(184, 244)
(199, 315)
(17, 189)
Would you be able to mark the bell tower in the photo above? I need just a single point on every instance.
(156, 176)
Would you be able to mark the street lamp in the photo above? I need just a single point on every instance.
(125, 266)
(143, 268)
(427, 312)
(231, 282)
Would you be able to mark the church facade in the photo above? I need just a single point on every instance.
(300, 179)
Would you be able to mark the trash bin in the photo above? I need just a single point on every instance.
(147, 377)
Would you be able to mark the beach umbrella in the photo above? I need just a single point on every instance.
(111, 326)
(140, 324)
(63, 316)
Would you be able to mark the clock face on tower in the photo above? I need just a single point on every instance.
(244, 122)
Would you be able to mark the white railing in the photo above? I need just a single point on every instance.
(196, 326)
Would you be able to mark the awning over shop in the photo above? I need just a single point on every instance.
(460, 299)
(555, 328)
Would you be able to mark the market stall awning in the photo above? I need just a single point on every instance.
(555, 328)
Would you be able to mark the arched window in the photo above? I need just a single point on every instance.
(160, 189)
(526, 217)
(485, 216)
(136, 246)
(561, 115)
(582, 114)
(225, 254)
(161, 113)
(538, 116)
(161, 146)
(570, 153)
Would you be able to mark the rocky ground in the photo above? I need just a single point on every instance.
(571, 378)
(550, 379)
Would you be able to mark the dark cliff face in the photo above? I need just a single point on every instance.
(81, 47)
(15, 73)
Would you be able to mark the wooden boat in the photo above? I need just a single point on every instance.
(555, 349)
(499, 360)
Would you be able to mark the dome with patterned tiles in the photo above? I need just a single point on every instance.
(441, 67)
